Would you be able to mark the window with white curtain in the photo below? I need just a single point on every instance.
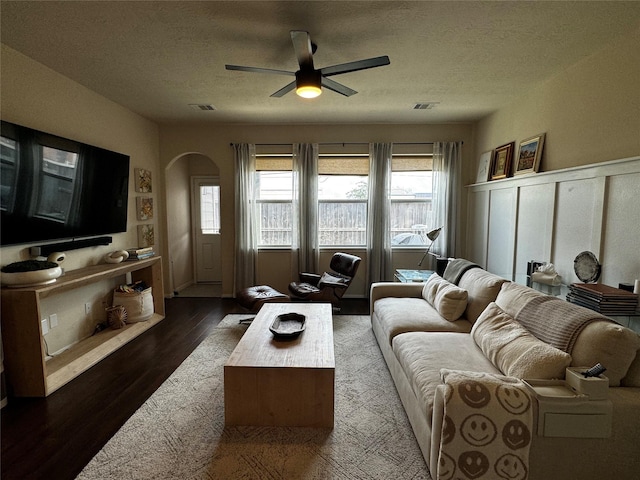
(274, 192)
(342, 196)
(343, 180)
(411, 198)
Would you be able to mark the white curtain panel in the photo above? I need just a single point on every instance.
(447, 165)
(304, 249)
(378, 212)
(246, 216)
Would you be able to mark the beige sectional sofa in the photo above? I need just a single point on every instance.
(467, 321)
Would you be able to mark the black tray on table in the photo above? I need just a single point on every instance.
(288, 325)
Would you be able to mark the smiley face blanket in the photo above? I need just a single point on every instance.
(487, 427)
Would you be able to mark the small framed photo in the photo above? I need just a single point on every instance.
(144, 210)
(501, 164)
(143, 180)
(529, 154)
(484, 167)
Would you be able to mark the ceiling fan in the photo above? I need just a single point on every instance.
(308, 80)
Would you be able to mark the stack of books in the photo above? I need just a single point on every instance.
(603, 298)
(140, 253)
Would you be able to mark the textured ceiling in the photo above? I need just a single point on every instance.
(156, 58)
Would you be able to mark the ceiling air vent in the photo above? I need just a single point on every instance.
(202, 106)
(425, 106)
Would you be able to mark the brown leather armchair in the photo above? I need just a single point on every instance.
(330, 286)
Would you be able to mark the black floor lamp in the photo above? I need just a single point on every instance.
(432, 235)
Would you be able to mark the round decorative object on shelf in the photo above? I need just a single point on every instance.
(30, 273)
(587, 267)
(116, 257)
(116, 316)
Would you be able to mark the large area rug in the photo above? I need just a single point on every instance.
(179, 433)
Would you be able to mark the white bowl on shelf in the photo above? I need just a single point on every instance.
(31, 279)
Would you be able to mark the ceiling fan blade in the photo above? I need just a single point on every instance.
(302, 46)
(284, 90)
(337, 87)
(241, 68)
(354, 66)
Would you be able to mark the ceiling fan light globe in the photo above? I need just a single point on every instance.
(308, 91)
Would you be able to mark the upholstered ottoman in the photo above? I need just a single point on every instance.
(252, 298)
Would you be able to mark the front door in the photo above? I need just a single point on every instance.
(205, 197)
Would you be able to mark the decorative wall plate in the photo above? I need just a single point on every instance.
(587, 267)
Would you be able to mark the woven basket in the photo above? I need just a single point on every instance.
(139, 305)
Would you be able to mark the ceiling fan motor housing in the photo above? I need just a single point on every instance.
(308, 82)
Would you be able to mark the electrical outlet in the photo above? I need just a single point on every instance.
(53, 320)
(87, 309)
(45, 326)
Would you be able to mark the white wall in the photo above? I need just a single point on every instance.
(179, 239)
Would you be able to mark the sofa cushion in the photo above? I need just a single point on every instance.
(423, 354)
(400, 315)
(610, 344)
(482, 288)
(513, 296)
(514, 350)
(586, 335)
(632, 378)
(450, 301)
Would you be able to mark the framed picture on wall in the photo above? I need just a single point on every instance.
(144, 208)
(501, 164)
(529, 154)
(145, 236)
(484, 167)
(143, 180)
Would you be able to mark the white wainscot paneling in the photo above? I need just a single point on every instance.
(478, 213)
(578, 224)
(535, 226)
(621, 255)
(593, 207)
(500, 249)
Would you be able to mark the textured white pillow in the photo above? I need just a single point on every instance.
(450, 301)
(514, 350)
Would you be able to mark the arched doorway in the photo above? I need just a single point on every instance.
(184, 244)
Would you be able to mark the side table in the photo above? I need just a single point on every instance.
(407, 276)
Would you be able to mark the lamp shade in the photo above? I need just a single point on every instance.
(308, 83)
(433, 234)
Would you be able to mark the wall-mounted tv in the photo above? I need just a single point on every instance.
(54, 188)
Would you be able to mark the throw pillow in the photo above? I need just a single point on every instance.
(515, 351)
(450, 301)
(483, 288)
(512, 297)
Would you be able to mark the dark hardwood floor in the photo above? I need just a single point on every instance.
(53, 438)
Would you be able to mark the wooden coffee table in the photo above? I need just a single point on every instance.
(282, 382)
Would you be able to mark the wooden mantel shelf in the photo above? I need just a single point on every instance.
(28, 371)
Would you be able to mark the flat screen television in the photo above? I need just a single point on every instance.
(54, 188)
